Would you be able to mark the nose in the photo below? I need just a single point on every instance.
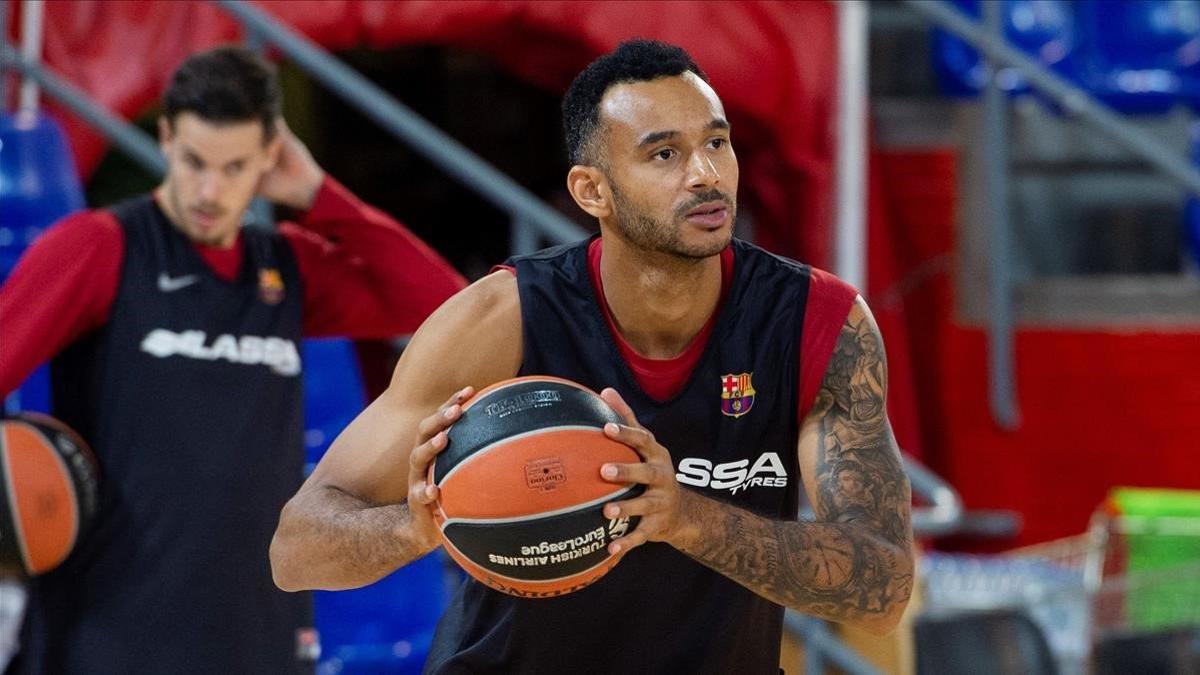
(210, 186)
(702, 173)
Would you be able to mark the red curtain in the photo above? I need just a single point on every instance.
(773, 63)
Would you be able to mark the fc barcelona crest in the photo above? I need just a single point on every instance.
(737, 394)
(270, 286)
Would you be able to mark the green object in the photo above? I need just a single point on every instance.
(1161, 530)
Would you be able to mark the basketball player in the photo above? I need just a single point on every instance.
(759, 377)
(176, 342)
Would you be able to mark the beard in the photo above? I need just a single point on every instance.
(647, 232)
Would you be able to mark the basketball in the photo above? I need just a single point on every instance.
(521, 501)
(48, 493)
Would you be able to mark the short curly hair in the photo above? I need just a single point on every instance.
(632, 61)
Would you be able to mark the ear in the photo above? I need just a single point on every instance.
(274, 147)
(164, 134)
(589, 189)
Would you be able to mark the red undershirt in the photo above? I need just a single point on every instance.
(364, 276)
(828, 305)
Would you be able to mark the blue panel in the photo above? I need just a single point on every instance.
(38, 185)
(386, 627)
(1135, 53)
(1044, 29)
(1191, 213)
(333, 392)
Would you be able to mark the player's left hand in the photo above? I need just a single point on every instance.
(659, 506)
(296, 176)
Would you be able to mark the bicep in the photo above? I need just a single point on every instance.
(848, 455)
(472, 340)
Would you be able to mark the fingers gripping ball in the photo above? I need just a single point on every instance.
(521, 498)
(48, 493)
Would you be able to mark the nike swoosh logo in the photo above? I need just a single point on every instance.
(167, 284)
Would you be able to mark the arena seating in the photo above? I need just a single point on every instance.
(38, 185)
(388, 626)
(1141, 57)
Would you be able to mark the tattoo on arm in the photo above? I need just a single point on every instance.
(854, 563)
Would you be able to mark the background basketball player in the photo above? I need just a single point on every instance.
(176, 337)
(742, 363)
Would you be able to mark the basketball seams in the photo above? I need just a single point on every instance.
(556, 427)
(615, 494)
(518, 381)
(506, 440)
(525, 584)
(15, 499)
(72, 497)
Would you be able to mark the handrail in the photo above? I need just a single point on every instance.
(135, 142)
(944, 515)
(821, 645)
(1076, 101)
(434, 144)
(1072, 98)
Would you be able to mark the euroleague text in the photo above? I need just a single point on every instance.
(514, 404)
(553, 553)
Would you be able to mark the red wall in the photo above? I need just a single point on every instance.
(1099, 408)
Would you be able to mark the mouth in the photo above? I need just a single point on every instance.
(709, 214)
(205, 219)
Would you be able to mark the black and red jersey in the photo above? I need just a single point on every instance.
(731, 424)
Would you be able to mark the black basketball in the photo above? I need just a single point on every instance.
(521, 497)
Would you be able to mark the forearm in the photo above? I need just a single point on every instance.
(330, 540)
(365, 274)
(841, 571)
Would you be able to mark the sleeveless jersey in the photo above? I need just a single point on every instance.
(191, 397)
(731, 432)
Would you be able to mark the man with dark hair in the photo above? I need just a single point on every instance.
(759, 376)
(175, 336)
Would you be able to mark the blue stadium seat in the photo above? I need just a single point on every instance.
(38, 185)
(1134, 54)
(1191, 213)
(386, 627)
(1044, 29)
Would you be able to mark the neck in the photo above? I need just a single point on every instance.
(658, 301)
(162, 198)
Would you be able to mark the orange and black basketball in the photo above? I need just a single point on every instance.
(521, 503)
(48, 493)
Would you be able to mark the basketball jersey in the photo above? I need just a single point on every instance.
(731, 432)
(191, 397)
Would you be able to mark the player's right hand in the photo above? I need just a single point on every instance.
(431, 439)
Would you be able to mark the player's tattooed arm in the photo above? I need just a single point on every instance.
(854, 563)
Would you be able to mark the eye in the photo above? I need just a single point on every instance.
(718, 143)
(234, 169)
(193, 162)
(664, 154)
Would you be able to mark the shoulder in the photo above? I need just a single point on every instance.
(90, 233)
(100, 223)
(762, 261)
(476, 334)
(491, 303)
(553, 255)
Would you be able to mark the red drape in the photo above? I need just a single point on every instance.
(773, 63)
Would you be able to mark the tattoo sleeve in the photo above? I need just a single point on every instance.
(853, 563)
